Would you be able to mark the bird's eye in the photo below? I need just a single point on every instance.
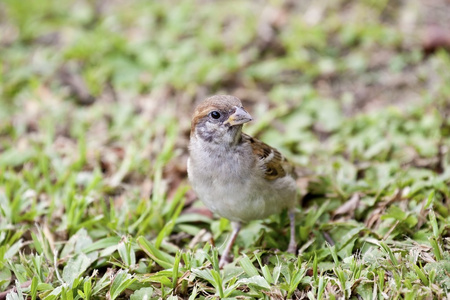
(215, 114)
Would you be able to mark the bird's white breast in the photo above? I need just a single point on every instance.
(230, 183)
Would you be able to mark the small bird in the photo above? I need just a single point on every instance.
(236, 176)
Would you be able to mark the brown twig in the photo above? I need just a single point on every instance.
(14, 289)
(328, 238)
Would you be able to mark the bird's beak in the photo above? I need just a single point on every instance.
(240, 116)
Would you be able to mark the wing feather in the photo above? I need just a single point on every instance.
(272, 162)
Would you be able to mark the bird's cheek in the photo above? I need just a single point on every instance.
(212, 126)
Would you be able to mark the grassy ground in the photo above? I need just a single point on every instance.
(95, 106)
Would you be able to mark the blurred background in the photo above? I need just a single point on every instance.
(96, 98)
(92, 62)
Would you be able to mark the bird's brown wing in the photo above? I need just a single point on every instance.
(273, 163)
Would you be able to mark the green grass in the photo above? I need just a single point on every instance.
(94, 197)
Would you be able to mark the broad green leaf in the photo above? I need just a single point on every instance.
(75, 267)
(142, 294)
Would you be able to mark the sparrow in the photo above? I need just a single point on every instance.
(235, 175)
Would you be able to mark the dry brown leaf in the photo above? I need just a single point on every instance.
(349, 207)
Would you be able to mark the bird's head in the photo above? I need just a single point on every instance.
(219, 119)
